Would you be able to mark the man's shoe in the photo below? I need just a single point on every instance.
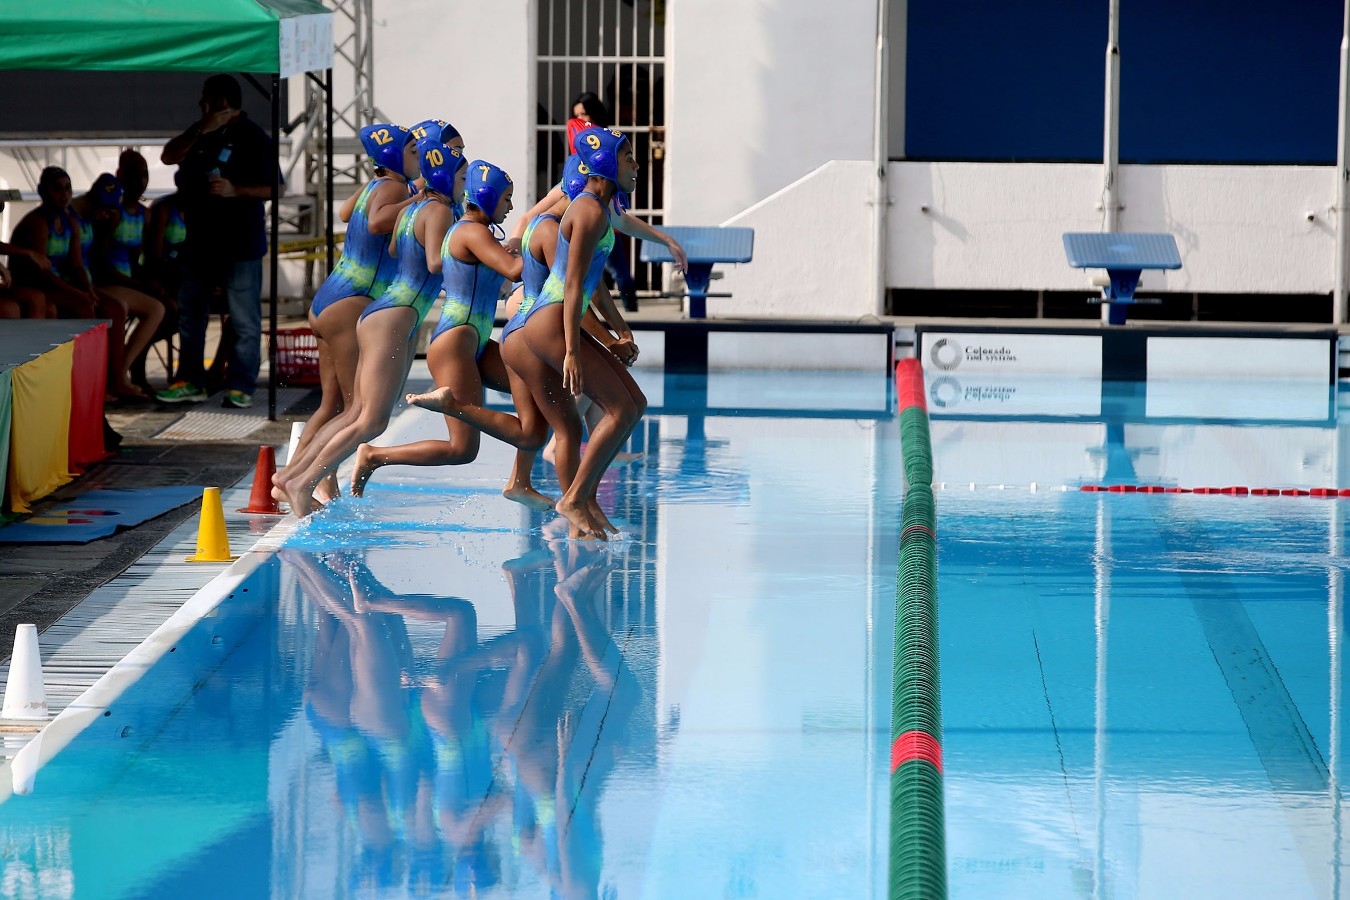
(181, 392)
(237, 399)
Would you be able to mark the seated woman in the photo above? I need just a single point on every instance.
(51, 262)
(114, 259)
(60, 237)
(387, 331)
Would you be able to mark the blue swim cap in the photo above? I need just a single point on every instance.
(384, 145)
(434, 129)
(599, 149)
(439, 165)
(106, 191)
(574, 176)
(484, 186)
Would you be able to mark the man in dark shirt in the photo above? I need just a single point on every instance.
(227, 168)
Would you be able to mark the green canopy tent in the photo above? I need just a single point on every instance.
(284, 37)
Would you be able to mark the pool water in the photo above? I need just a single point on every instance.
(1142, 693)
(430, 692)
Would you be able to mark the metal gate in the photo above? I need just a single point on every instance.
(615, 49)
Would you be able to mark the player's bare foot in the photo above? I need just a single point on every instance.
(328, 490)
(581, 534)
(440, 400)
(300, 497)
(366, 464)
(598, 517)
(583, 527)
(526, 495)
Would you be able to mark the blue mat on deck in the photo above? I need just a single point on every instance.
(96, 514)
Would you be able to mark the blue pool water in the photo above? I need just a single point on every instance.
(1142, 694)
(427, 693)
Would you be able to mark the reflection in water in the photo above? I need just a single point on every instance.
(485, 761)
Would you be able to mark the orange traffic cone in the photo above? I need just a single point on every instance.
(260, 499)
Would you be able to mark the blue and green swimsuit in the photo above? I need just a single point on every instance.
(413, 286)
(551, 291)
(124, 251)
(471, 292)
(366, 268)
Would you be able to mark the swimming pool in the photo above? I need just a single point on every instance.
(428, 693)
(1142, 693)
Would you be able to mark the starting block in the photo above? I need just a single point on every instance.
(1124, 256)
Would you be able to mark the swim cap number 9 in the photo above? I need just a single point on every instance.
(594, 141)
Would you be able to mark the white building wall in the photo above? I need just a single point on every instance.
(1240, 229)
(999, 226)
(470, 63)
(812, 245)
(761, 92)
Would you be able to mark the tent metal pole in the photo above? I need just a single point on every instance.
(273, 261)
(328, 183)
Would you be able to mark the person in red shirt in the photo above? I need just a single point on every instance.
(587, 112)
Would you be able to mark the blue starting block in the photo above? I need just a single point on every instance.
(705, 248)
(1124, 256)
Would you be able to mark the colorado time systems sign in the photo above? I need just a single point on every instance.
(1042, 354)
(982, 374)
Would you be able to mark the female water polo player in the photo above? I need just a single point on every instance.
(387, 330)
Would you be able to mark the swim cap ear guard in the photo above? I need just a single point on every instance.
(599, 149)
(106, 191)
(485, 185)
(428, 129)
(439, 165)
(384, 145)
(575, 173)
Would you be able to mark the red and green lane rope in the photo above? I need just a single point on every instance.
(918, 854)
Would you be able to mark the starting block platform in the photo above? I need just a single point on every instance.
(1124, 256)
(704, 247)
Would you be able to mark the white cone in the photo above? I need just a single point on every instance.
(297, 429)
(25, 692)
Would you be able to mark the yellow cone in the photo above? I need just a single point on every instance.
(213, 544)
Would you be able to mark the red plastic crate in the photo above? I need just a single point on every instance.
(297, 356)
